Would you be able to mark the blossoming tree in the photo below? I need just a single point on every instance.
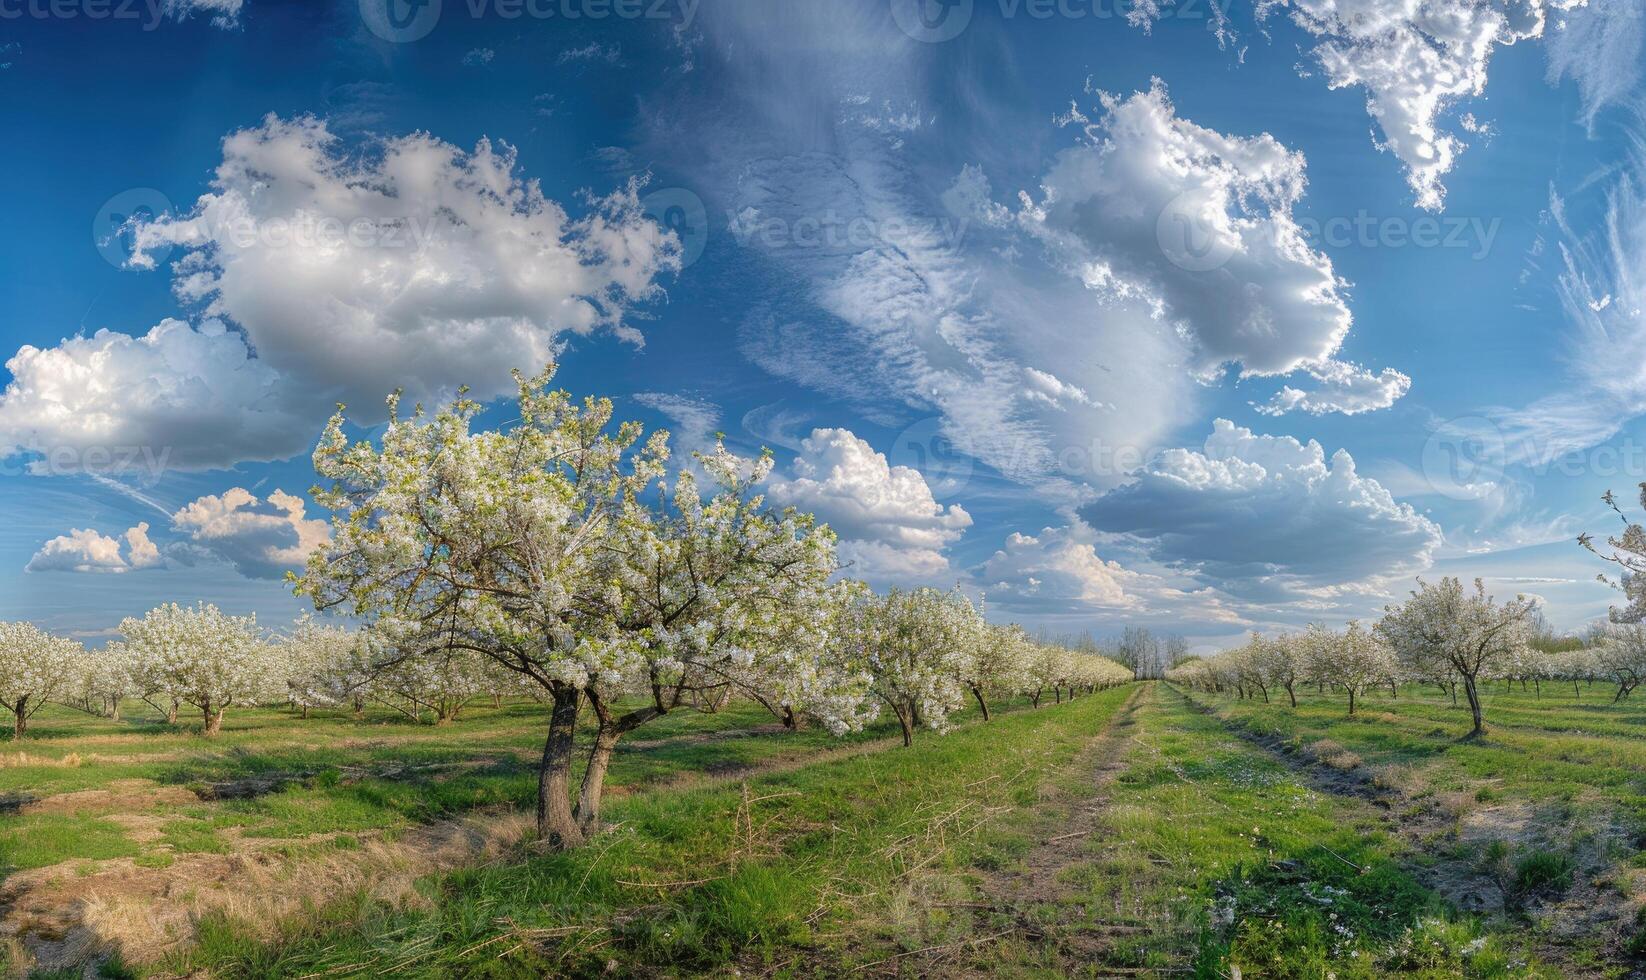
(34, 667)
(1469, 632)
(541, 548)
(918, 655)
(204, 657)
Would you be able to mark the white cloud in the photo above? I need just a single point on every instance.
(1599, 46)
(888, 521)
(224, 14)
(611, 54)
(1415, 58)
(1057, 567)
(479, 57)
(1058, 572)
(1267, 518)
(695, 420)
(174, 397)
(1049, 388)
(406, 263)
(1603, 296)
(1341, 387)
(260, 538)
(1197, 226)
(872, 290)
(85, 550)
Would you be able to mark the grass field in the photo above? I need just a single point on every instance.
(1136, 831)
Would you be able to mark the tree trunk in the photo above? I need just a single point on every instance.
(982, 703)
(305, 715)
(1351, 701)
(556, 825)
(1474, 706)
(609, 731)
(214, 720)
(904, 719)
(20, 726)
(1394, 690)
(1291, 694)
(171, 714)
(594, 780)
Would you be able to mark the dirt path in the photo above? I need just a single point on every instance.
(1017, 900)
(1423, 821)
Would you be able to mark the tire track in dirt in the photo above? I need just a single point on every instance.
(1421, 823)
(1015, 894)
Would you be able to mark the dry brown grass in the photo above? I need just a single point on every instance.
(1331, 754)
(146, 913)
(23, 760)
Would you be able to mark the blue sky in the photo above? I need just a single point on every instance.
(1189, 316)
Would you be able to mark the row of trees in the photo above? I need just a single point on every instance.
(1444, 634)
(564, 560)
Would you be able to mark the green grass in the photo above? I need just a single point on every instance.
(1550, 803)
(830, 860)
(1211, 852)
(1214, 855)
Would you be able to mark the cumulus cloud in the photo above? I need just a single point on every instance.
(814, 141)
(260, 538)
(1057, 571)
(1267, 518)
(175, 397)
(890, 525)
(1057, 567)
(1415, 58)
(406, 263)
(84, 550)
(1197, 225)
(1340, 387)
